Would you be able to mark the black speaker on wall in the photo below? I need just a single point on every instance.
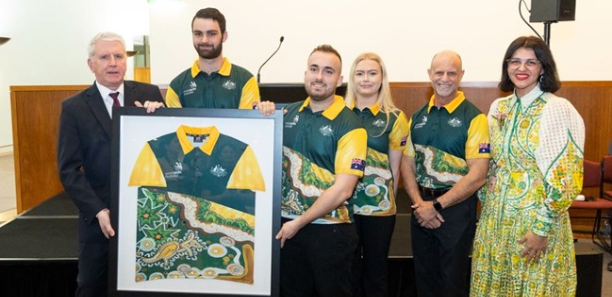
(552, 10)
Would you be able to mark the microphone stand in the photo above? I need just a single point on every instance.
(272, 55)
(547, 33)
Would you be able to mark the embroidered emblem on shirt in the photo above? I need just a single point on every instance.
(230, 85)
(326, 130)
(178, 170)
(294, 122)
(192, 88)
(358, 164)
(378, 123)
(454, 122)
(422, 123)
(484, 148)
(218, 171)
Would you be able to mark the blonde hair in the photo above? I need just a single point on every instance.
(385, 101)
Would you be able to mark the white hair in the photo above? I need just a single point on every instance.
(105, 36)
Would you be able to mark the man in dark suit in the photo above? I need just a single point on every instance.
(84, 153)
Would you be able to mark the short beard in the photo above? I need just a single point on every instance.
(210, 54)
(320, 97)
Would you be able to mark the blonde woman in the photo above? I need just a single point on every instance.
(369, 96)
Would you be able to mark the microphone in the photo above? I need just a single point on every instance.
(272, 55)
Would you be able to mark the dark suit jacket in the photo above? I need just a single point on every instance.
(84, 151)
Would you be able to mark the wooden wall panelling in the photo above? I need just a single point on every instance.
(35, 116)
(593, 100)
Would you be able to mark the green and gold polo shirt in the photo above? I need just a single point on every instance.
(231, 87)
(196, 198)
(442, 139)
(374, 194)
(316, 147)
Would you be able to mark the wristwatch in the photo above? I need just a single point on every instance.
(437, 206)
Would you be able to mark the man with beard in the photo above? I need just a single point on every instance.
(445, 163)
(324, 151)
(212, 81)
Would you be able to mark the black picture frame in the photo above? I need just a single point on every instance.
(133, 129)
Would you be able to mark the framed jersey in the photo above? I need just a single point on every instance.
(195, 202)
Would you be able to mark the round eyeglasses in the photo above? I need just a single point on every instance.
(530, 63)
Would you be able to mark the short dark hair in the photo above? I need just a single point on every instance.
(326, 48)
(549, 80)
(210, 13)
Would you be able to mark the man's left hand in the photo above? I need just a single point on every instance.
(151, 106)
(424, 211)
(266, 108)
(288, 230)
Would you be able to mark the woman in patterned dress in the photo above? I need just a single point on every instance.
(373, 203)
(524, 244)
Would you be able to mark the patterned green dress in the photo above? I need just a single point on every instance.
(536, 171)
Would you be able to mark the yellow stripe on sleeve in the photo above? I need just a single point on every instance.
(172, 99)
(147, 171)
(399, 133)
(409, 150)
(352, 147)
(250, 94)
(247, 174)
(478, 134)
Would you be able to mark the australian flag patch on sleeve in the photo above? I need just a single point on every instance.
(358, 164)
(484, 148)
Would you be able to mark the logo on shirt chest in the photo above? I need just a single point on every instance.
(218, 171)
(422, 123)
(455, 122)
(293, 122)
(192, 88)
(178, 171)
(326, 130)
(379, 123)
(230, 85)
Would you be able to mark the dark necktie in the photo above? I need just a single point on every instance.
(115, 99)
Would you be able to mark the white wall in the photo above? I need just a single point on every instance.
(405, 33)
(49, 38)
(49, 42)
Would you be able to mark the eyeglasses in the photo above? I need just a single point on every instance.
(530, 63)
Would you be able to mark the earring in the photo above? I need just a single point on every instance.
(541, 78)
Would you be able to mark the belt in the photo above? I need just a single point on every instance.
(431, 192)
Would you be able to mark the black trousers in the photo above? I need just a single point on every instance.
(370, 271)
(441, 256)
(318, 261)
(92, 279)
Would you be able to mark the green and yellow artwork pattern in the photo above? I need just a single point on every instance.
(169, 246)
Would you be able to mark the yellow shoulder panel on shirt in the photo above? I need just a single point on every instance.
(247, 174)
(409, 150)
(147, 171)
(399, 133)
(478, 143)
(172, 99)
(250, 94)
(352, 148)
